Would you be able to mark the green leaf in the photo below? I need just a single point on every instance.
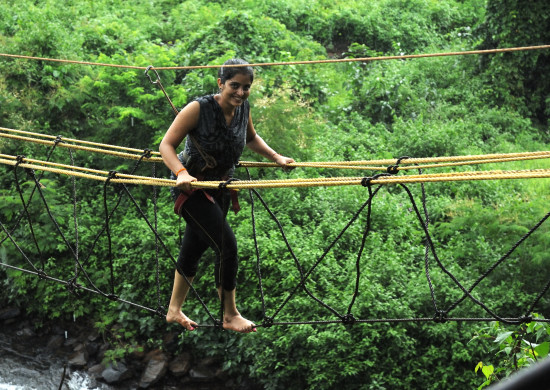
(479, 365)
(488, 370)
(542, 349)
(502, 337)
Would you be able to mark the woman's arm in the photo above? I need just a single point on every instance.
(255, 143)
(185, 121)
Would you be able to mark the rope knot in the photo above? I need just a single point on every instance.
(440, 316)
(57, 140)
(19, 160)
(267, 322)
(112, 175)
(394, 169)
(42, 274)
(112, 297)
(366, 181)
(223, 186)
(349, 319)
(73, 286)
(218, 324)
(147, 153)
(526, 319)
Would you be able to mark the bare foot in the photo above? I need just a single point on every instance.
(180, 318)
(238, 323)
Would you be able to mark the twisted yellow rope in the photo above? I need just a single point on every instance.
(64, 144)
(434, 162)
(412, 161)
(317, 182)
(329, 182)
(327, 61)
(76, 141)
(131, 179)
(65, 169)
(458, 160)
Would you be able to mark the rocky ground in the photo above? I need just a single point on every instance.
(81, 348)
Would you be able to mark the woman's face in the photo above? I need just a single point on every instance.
(236, 89)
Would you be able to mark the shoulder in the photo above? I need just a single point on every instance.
(205, 100)
(188, 117)
(198, 102)
(191, 109)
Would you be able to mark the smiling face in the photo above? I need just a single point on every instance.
(235, 90)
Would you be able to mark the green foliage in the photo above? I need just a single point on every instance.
(520, 347)
(517, 78)
(336, 25)
(120, 338)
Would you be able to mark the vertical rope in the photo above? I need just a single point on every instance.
(360, 252)
(18, 219)
(256, 247)
(26, 212)
(112, 174)
(427, 248)
(155, 214)
(75, 218)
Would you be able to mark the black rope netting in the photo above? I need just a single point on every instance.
(81, 281)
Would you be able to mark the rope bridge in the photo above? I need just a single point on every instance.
(81, 280)
(387, 174)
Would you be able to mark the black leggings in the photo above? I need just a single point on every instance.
(207, 227)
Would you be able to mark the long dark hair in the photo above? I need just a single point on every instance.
(227, 73)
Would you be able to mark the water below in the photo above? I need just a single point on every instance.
(39, 370)
(15, 375)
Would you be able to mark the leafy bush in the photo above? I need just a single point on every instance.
(520, 347)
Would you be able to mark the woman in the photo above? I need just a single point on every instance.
(217, 129)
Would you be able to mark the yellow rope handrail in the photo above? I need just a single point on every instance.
(64, 144)
(328, 182)
(464, 160)
(405, 161)
(76, 141)
(435, 162)
(316, 182)
(125, 177)
(310, 62)
(75, 168)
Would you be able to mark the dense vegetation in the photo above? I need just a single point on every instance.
(442, 106)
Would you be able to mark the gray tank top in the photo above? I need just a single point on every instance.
(223, 143)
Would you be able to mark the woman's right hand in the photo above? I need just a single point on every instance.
(183, 181)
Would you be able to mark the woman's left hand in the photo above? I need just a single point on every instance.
(284, 162)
